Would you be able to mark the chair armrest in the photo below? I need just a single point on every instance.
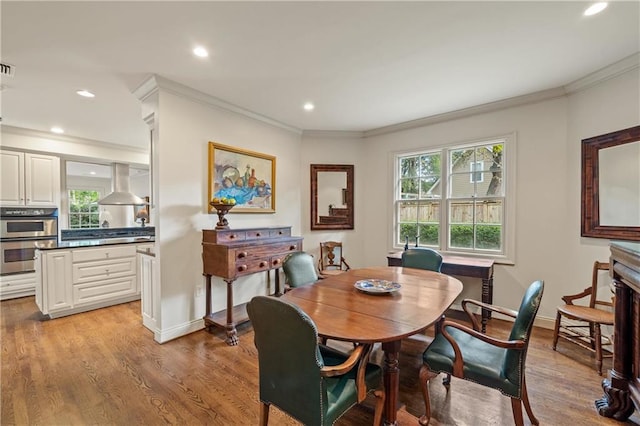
(361, 385)
(336, 370)
(345, 263)
(458, 361)
(476, 325)
(570, 298)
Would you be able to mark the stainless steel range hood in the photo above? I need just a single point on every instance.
(121, 195)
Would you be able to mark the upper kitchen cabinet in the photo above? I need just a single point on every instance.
(29, 179)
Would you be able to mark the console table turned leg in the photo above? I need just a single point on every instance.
(232, 334)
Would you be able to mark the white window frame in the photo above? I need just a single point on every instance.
(97, 189)
(507, 254)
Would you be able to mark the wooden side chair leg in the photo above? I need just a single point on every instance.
(425, 376)
(264, 414)
(597, 339)
(527, 405)
(516, 407)
(556, 330)
(380, 398)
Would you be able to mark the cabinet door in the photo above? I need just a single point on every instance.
(42, 180)
(57, 281)
(146, 265)
(12, 178)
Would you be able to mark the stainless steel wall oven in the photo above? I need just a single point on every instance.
(21, 228)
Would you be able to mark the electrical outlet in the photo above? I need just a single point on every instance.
(199, 291)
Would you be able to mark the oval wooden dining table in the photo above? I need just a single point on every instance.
(342, 312)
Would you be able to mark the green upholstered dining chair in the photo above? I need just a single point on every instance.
(422, 258)
(312, 383)
(468, 354)
(299, 270)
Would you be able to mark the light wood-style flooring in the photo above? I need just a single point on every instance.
(103, 367)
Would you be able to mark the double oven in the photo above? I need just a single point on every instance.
(21, 230)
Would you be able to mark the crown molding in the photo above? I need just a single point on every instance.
(610, 71)
(467, 112)
(156, 82)
(330, 134)
(71, 139)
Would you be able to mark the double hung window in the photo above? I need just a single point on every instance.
(454, 198)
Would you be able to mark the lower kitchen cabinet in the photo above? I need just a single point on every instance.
(146, 282)
(83, 279)
(17, 285)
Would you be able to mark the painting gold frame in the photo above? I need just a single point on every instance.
(247, 176)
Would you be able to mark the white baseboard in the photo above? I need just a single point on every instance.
(162, 336)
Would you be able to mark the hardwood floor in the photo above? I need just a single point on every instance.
(103, 367)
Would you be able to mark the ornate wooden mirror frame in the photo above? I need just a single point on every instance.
(335, 210)
(591, 225)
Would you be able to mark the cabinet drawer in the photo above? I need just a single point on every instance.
(252, 265)
(231, 236)
(91, 271)
(103, 290)
(280, 232)
(104, 253)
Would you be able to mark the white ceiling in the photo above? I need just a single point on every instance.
(365, 65)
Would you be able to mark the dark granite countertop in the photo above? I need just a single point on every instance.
(98, 242)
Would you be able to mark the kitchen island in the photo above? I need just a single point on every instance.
(83, 275)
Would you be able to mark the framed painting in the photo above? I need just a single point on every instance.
(247, 177)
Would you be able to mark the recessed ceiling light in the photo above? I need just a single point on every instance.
(85, 93)
(595, 8)
(308, 106)
(57, 130)
(200, 52)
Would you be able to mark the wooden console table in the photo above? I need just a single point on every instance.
(622, 388)
(465, 267)
(231, 253)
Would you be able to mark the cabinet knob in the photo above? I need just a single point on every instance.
(263, 264)
(106, 254)
(106, 271)
(258, 234)
(292, 247)
(232, 236)
(242, 268)
(242, 254)
(276, 261)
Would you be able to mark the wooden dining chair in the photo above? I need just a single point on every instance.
(469, 354)
(581, 324)
(313, 383)
(331, 261)
(299, 270)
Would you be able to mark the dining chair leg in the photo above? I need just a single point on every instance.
(527, 405)
(556, 330)
(597, 339)
(264, 414)
(380, 396)
(425, 376)
(516, 407)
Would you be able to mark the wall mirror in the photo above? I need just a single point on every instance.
(611, 185)
(332, 196)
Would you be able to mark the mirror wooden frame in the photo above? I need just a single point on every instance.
(590, 224)
(348, 222)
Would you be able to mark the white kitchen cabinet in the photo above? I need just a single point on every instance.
(83, 279)
(17, 285)
(146, 282)
(29, 179)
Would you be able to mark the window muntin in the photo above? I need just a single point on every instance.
(471, 218)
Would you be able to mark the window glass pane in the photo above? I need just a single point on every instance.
(419, 222)
(461, 186)
(409, 167)
(461, 216)
(429, 187)
(489, 215)
(409, 189)
(83, 209)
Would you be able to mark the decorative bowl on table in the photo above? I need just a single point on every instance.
(376, 286)
(222, 208)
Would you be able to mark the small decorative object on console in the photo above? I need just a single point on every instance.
(222, 206)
